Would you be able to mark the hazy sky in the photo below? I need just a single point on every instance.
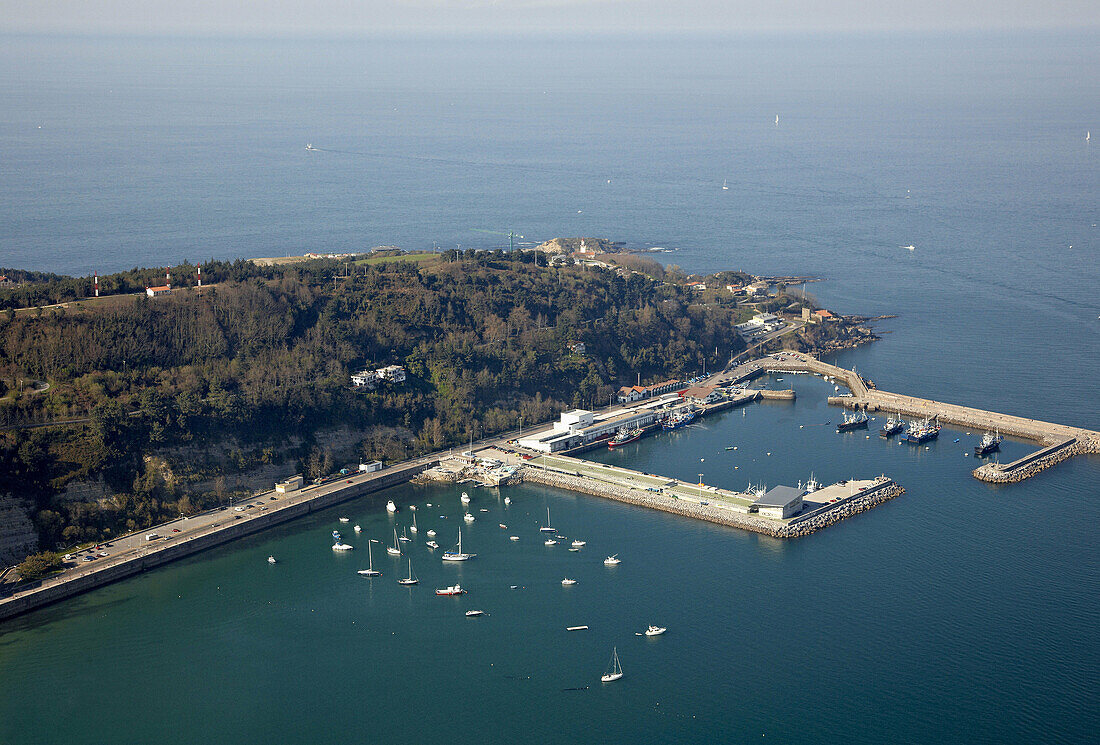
(323, 17)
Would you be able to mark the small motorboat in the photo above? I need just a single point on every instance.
(357, 529)
(432, 544)
(483, 510)
(473, 613)
(468, 517)
(549, 542)
(270, 559)
(431, 534)
(503, 526)
(568, 581)
(465, 498)
(655, 631)
(578, 543)
(561, 538)
(612, 560)
(513, 537)
(574, 549)
(451, 590)
(391, 507)
(507, 500)
(338, 543)
(345, 519)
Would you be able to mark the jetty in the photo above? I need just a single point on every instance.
(1057, 442)
(811, 510)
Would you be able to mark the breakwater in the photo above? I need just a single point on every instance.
(1058, 441)
(798, 526)
(128, 564)
(1029, 465)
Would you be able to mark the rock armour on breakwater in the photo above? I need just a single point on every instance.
(712, 513)
(995, 473)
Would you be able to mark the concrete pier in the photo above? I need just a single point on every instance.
(1058, 441)
(821, 508)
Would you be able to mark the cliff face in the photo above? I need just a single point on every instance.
(17, 534)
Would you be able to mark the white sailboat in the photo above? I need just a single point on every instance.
(777, 120)
(410, 580)
(370, 571)
(547, 528)
(614, 670)
(413, 528)
(724, 187)
(457, 555)
(395, 549)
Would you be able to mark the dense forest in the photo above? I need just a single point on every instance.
(263, 355)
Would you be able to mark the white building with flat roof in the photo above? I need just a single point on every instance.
(780, 502)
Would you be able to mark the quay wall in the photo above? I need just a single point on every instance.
(799, 526)
(161, 553)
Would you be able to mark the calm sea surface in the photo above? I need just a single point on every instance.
(959, 612)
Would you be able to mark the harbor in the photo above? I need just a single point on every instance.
(1057, 442)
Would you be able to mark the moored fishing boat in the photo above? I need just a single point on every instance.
(858, 420)
(990, 442)
(623, 437)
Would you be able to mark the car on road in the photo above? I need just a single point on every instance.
(89, 558)
(175, 530)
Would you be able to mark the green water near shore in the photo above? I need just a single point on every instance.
(868, 631)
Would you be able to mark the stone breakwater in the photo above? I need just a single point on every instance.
(997, 473)
(711, 513)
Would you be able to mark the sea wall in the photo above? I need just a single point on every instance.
(32, 596)
(800, 526)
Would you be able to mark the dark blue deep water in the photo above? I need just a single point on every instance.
(958, 613)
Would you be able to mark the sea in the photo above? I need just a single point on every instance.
(960, 612)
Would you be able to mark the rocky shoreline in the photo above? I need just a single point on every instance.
(711, 513)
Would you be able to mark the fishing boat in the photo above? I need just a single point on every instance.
(568, 581)
(270, 559)
(990, 442)
(547, 528)
(614, 669)
(370, 571)
(677, 420)
(920, 432)
(513, 537)
(474, 613)
(451, 590)
(623, 437)
(391, 507)
(338, 544)
(395, 549)
(612, 560)
(432, 544)
(578, 543)
(894, 424)
(655, 631)
(858, 420)
(458, 555)
(410, 580)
